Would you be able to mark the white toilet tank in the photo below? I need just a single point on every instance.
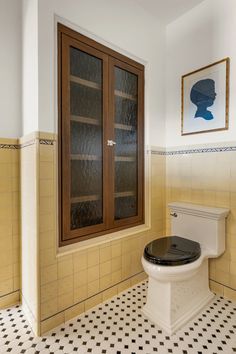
(205, 225)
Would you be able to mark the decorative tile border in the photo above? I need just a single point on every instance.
(51, 142)
(194, 151)
(155, 152)
(28, 143)
(9, 146)
(202, 150)
(46, 142)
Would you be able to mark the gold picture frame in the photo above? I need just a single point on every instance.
(201, 89)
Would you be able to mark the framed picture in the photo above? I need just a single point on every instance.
(205, 99)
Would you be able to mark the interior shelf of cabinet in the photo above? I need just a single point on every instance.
(124, 194)
(84, 82)
(85, 120)
(124, 126)
(125, 95)
(81, 157)
(124, 159)
(85, 198)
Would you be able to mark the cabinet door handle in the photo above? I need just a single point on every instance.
(174, 215)
(111, 143)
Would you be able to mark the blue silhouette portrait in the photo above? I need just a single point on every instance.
(203, 95)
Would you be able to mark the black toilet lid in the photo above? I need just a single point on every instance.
(172, 251)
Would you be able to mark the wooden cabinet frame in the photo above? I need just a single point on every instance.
(110, 59)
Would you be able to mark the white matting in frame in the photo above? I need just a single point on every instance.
(205, 95)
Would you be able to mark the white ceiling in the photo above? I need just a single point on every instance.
(168, 10)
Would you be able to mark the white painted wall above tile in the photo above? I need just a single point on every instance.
(10, 68)
(29, 66)
(201, 37)
(123, 26)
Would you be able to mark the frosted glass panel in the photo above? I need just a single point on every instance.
(125, 207)
(85, 66)
(86, 214)
(86, 139)
(86, 178)
(80, 101)
(126, 85)
(125, 81)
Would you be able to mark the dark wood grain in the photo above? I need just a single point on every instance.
(110, 59)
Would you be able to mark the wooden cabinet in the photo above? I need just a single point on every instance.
(101, 138)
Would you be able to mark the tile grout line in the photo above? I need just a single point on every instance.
(80, 302)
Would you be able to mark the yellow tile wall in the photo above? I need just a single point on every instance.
(71, 283)
(158, 195)
(208, 179)
(9, 221)
(67, 285)
(88, 276)
(29, 232)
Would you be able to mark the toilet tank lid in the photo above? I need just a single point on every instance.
(199, 210)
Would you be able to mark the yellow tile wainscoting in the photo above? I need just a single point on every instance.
(90, 275)
(9, 223)
(57, 286)
(208, 178)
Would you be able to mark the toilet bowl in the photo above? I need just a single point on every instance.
(177, 266)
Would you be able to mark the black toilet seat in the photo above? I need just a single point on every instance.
(172, 251)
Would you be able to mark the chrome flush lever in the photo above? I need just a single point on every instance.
(111, 143)
(174, 215)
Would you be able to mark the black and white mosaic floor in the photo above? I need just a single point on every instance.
(118, 326)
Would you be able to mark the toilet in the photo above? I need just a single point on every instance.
(177, 266)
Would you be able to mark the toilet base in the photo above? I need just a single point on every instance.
(171, 305)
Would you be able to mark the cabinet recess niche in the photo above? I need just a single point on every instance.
(101, 139)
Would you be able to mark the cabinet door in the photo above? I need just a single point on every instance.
(84, 80)
(126, 116)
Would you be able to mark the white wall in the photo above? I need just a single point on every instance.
(200, 37)
(123, 25)
(10, 68)
(29, 66)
